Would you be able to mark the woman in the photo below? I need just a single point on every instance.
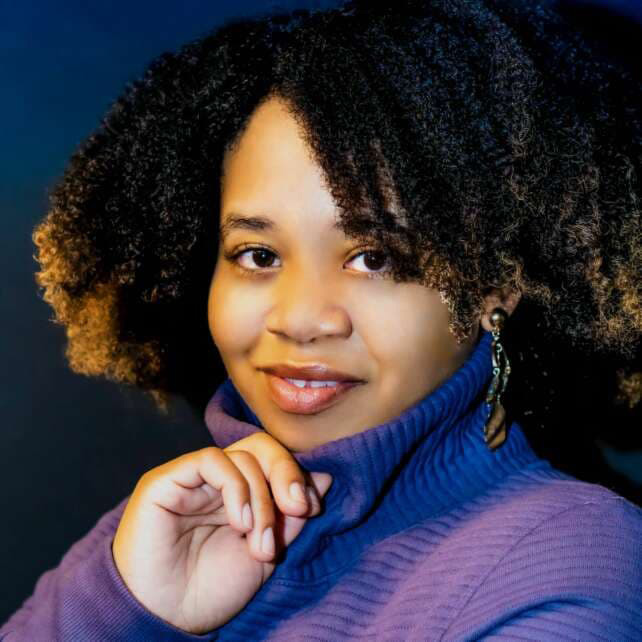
(364, 196)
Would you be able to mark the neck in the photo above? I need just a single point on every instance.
(393, 475)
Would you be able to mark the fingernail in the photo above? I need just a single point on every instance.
(247, 516)
(296, 492)
(314, 500)
(267, 541)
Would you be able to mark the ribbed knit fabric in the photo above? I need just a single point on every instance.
(426, 535)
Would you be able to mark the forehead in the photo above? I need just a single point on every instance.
(271, 175)
(270, 178)
(270, 141)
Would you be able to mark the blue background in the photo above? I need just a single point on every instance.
(72, 447)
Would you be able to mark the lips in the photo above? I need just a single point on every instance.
(311, 372)
(306, 401)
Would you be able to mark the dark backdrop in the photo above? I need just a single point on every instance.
(72, 447)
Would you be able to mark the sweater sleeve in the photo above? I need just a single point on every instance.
(85, 598)
(577, 576)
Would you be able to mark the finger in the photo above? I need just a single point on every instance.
(288, 483)
(261, 539)
(286, 471)
(209, 470)
(286, 478)
(289, 526)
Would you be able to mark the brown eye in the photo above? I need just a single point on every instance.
(263, 258)
(373, 260)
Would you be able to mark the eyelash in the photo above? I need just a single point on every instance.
(233, 256)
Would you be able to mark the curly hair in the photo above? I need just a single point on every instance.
(509, 146)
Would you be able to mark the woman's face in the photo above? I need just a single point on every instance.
(309, 298)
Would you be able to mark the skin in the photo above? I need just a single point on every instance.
(310, 298)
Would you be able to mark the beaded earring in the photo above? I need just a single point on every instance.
(495, 426)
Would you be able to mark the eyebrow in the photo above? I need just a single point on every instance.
(235, 221)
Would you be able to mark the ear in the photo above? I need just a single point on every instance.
(505, 298)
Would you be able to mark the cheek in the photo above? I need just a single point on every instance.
(410, 339)
(233, 317)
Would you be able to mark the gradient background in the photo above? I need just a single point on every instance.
(72, 447)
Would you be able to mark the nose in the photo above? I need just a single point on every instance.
(307, 307)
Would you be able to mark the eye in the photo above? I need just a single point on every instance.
(373, 259)
(261, 256)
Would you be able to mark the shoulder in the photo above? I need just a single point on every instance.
(563, 522)
(585, 537)
(572, 565)
(590, 523)
(534, 497)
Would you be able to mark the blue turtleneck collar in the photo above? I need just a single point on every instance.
(426, 461)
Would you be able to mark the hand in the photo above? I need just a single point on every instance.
(182, 547)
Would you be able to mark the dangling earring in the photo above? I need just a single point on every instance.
(495, 426)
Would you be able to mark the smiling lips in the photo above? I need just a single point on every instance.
(308, 400)
(319, 386)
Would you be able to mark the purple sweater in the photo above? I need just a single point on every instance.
(426, 535)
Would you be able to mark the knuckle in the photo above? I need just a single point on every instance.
(262, 436)
(209, 452)
(152, 477)
(242, 456)
(260, 443)
(245, 464)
